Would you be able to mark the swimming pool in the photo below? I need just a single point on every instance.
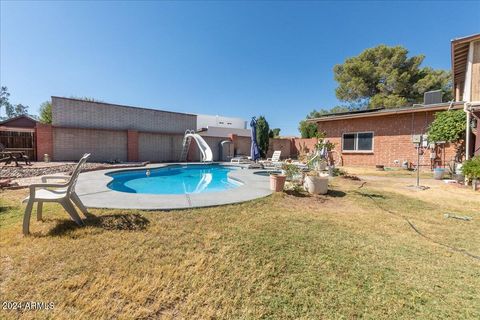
(174, 179)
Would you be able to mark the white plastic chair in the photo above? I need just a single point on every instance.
(273, 162)
(63, 193)
(275, 157)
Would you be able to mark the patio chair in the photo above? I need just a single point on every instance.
(241, 159)
(274, 161)
(275, 157)
(62, 193)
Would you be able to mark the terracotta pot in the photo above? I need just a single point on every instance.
(316, 184)
(277, 182)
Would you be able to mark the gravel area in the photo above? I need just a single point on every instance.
(26, 175)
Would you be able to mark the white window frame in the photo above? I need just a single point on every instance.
(356, 142)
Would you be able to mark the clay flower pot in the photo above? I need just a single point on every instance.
(277, 182)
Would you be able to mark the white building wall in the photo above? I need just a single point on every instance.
(224, 132)
(205, 121)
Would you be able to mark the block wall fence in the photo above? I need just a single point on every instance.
(69, 144)
(114, 132)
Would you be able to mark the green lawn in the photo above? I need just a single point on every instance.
(350, 254)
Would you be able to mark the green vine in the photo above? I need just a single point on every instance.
(448, 126)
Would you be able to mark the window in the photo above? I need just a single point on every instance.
(357, 142)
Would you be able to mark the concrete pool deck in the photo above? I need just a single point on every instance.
(92, 189)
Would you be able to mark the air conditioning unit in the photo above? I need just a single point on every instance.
(432, 97)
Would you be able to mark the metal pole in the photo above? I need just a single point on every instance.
(418, 164)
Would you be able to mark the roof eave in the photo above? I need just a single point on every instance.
(445, 106)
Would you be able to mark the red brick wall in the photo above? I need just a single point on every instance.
(299, 143)
(279, 144)
(392, 138)
(44, 138)
(132, 145)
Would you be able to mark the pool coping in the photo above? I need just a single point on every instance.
(94, 193)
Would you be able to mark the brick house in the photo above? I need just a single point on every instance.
(466, 84)
(384, 136)
(18, 134)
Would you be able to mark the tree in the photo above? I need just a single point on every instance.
(274, 133)
(309, 129)
(385, 76)
(449, 126)
(262, 135)
(46, 112)
(89, 99)
(4, 95)
(10, 109)
(16, 110)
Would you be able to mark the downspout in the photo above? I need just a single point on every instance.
(467, 92)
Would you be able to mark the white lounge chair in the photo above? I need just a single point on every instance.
(63, 193)
(241, 159)
(274, 161)
(275, 156)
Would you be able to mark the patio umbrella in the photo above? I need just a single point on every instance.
(254, 152)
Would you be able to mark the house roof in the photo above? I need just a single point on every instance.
(16, 119)
(459, 49)
(386, 112)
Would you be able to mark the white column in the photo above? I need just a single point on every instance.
(467, 137)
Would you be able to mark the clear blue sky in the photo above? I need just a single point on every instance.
(235, 59)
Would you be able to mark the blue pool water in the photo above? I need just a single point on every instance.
(175, 179)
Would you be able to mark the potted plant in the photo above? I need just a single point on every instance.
(291, 171)
(320, 164)
(322, 149)
(277, 182)
(316, 183)
(471, 170)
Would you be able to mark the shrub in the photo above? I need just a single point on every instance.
(471, 168)
(448, 126)
(291, 170)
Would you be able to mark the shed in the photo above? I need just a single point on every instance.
(18, 134)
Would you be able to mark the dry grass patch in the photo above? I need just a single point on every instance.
(342, 255)
(394, 172)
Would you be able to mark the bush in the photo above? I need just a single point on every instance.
(291, 170)
(471, 168)
(448, 126)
